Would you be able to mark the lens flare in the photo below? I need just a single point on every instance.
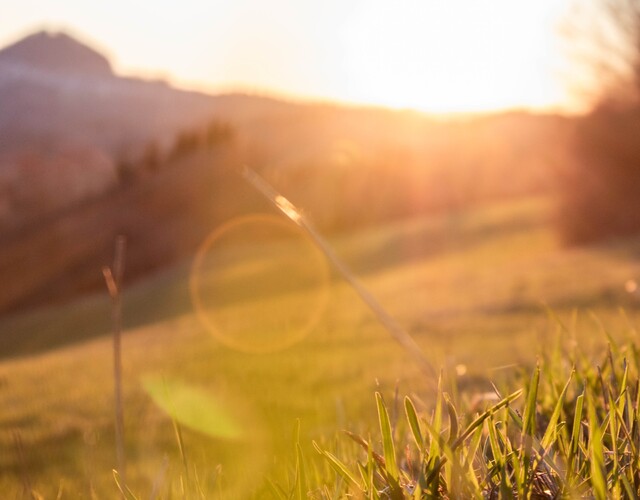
(259, 284)
(225, 432)
(193, 408)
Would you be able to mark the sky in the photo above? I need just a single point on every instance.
(432, 55)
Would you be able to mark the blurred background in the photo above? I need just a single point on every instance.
(476, 164)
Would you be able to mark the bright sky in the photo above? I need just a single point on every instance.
(433, 55)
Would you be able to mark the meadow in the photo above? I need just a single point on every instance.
(485, 291)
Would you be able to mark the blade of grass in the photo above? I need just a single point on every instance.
(276, 490)
(453, 419)
(113, 279)
(499, 460)
(126, 493)
(596, 453)
(390, 324)
(342, 470)
(301, 474)
(482, 417)
(368, 448)
(436, 423)
(528, 433)
(550, 434)
(575, 432)
(414, 423)
(477, 423)
(388, 446)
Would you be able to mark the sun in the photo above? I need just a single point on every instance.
(452, 56)
(432, 55)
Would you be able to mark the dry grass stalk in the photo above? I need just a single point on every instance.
(394, 328)
(113, 278)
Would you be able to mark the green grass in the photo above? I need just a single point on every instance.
(568, 429)
(471, 289)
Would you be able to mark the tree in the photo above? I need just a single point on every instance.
(604, 41)
(218, 133)
(599, 192)
(151, 157)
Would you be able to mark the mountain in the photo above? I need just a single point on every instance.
(57, 91)
(57, 53)
(67, 121)
(68, 124)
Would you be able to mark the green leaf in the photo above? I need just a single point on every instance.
(575, 432)
(628, 488)
(339, 467)
(387, 439)
(276, 490)
(550, 434)
(414, 423)
(126, 492)
(436, 422)
(482, 417)
(596, 453)
(301, 474)
(453, 419)
(529, 418)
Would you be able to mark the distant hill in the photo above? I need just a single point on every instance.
(57, 53)
(68, 121)
(66, 115)
(164, 219)
(56, 91)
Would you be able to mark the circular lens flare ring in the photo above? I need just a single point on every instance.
(259, 284)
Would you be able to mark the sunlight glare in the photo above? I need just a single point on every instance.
(259, 284)
(462, 55)
(454, 56)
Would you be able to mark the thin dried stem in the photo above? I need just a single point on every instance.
(391, 325)
(113, 279)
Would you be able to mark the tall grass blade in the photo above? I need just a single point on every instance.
(368, 448)
(436, 423)
(301, 474)
(126, 493)
(414, 423)
(576, 430)
(596, 453)
(499, 459)
(628, 488)
(528, 433)
(453, 419)
(483, 416)
(390, 324)
(388, 446)
(113, 279)
(300, 484)
(342, 470)
(550, 434)
(529, 417)
(276, 490)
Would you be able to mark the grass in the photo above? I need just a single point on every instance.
(568, 429)
(471, 290)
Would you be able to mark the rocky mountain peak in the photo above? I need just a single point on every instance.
(56, 52)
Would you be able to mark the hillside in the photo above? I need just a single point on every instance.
(67, 121)
(54, 91)
(470, 289)
(69, 124)
(165, 216)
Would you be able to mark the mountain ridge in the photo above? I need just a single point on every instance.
(64, 134)
(58, 52)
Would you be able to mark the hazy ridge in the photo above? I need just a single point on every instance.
(68, 122)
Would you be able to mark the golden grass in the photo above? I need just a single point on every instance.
(469, 288)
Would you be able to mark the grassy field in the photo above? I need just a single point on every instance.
(472, 288)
